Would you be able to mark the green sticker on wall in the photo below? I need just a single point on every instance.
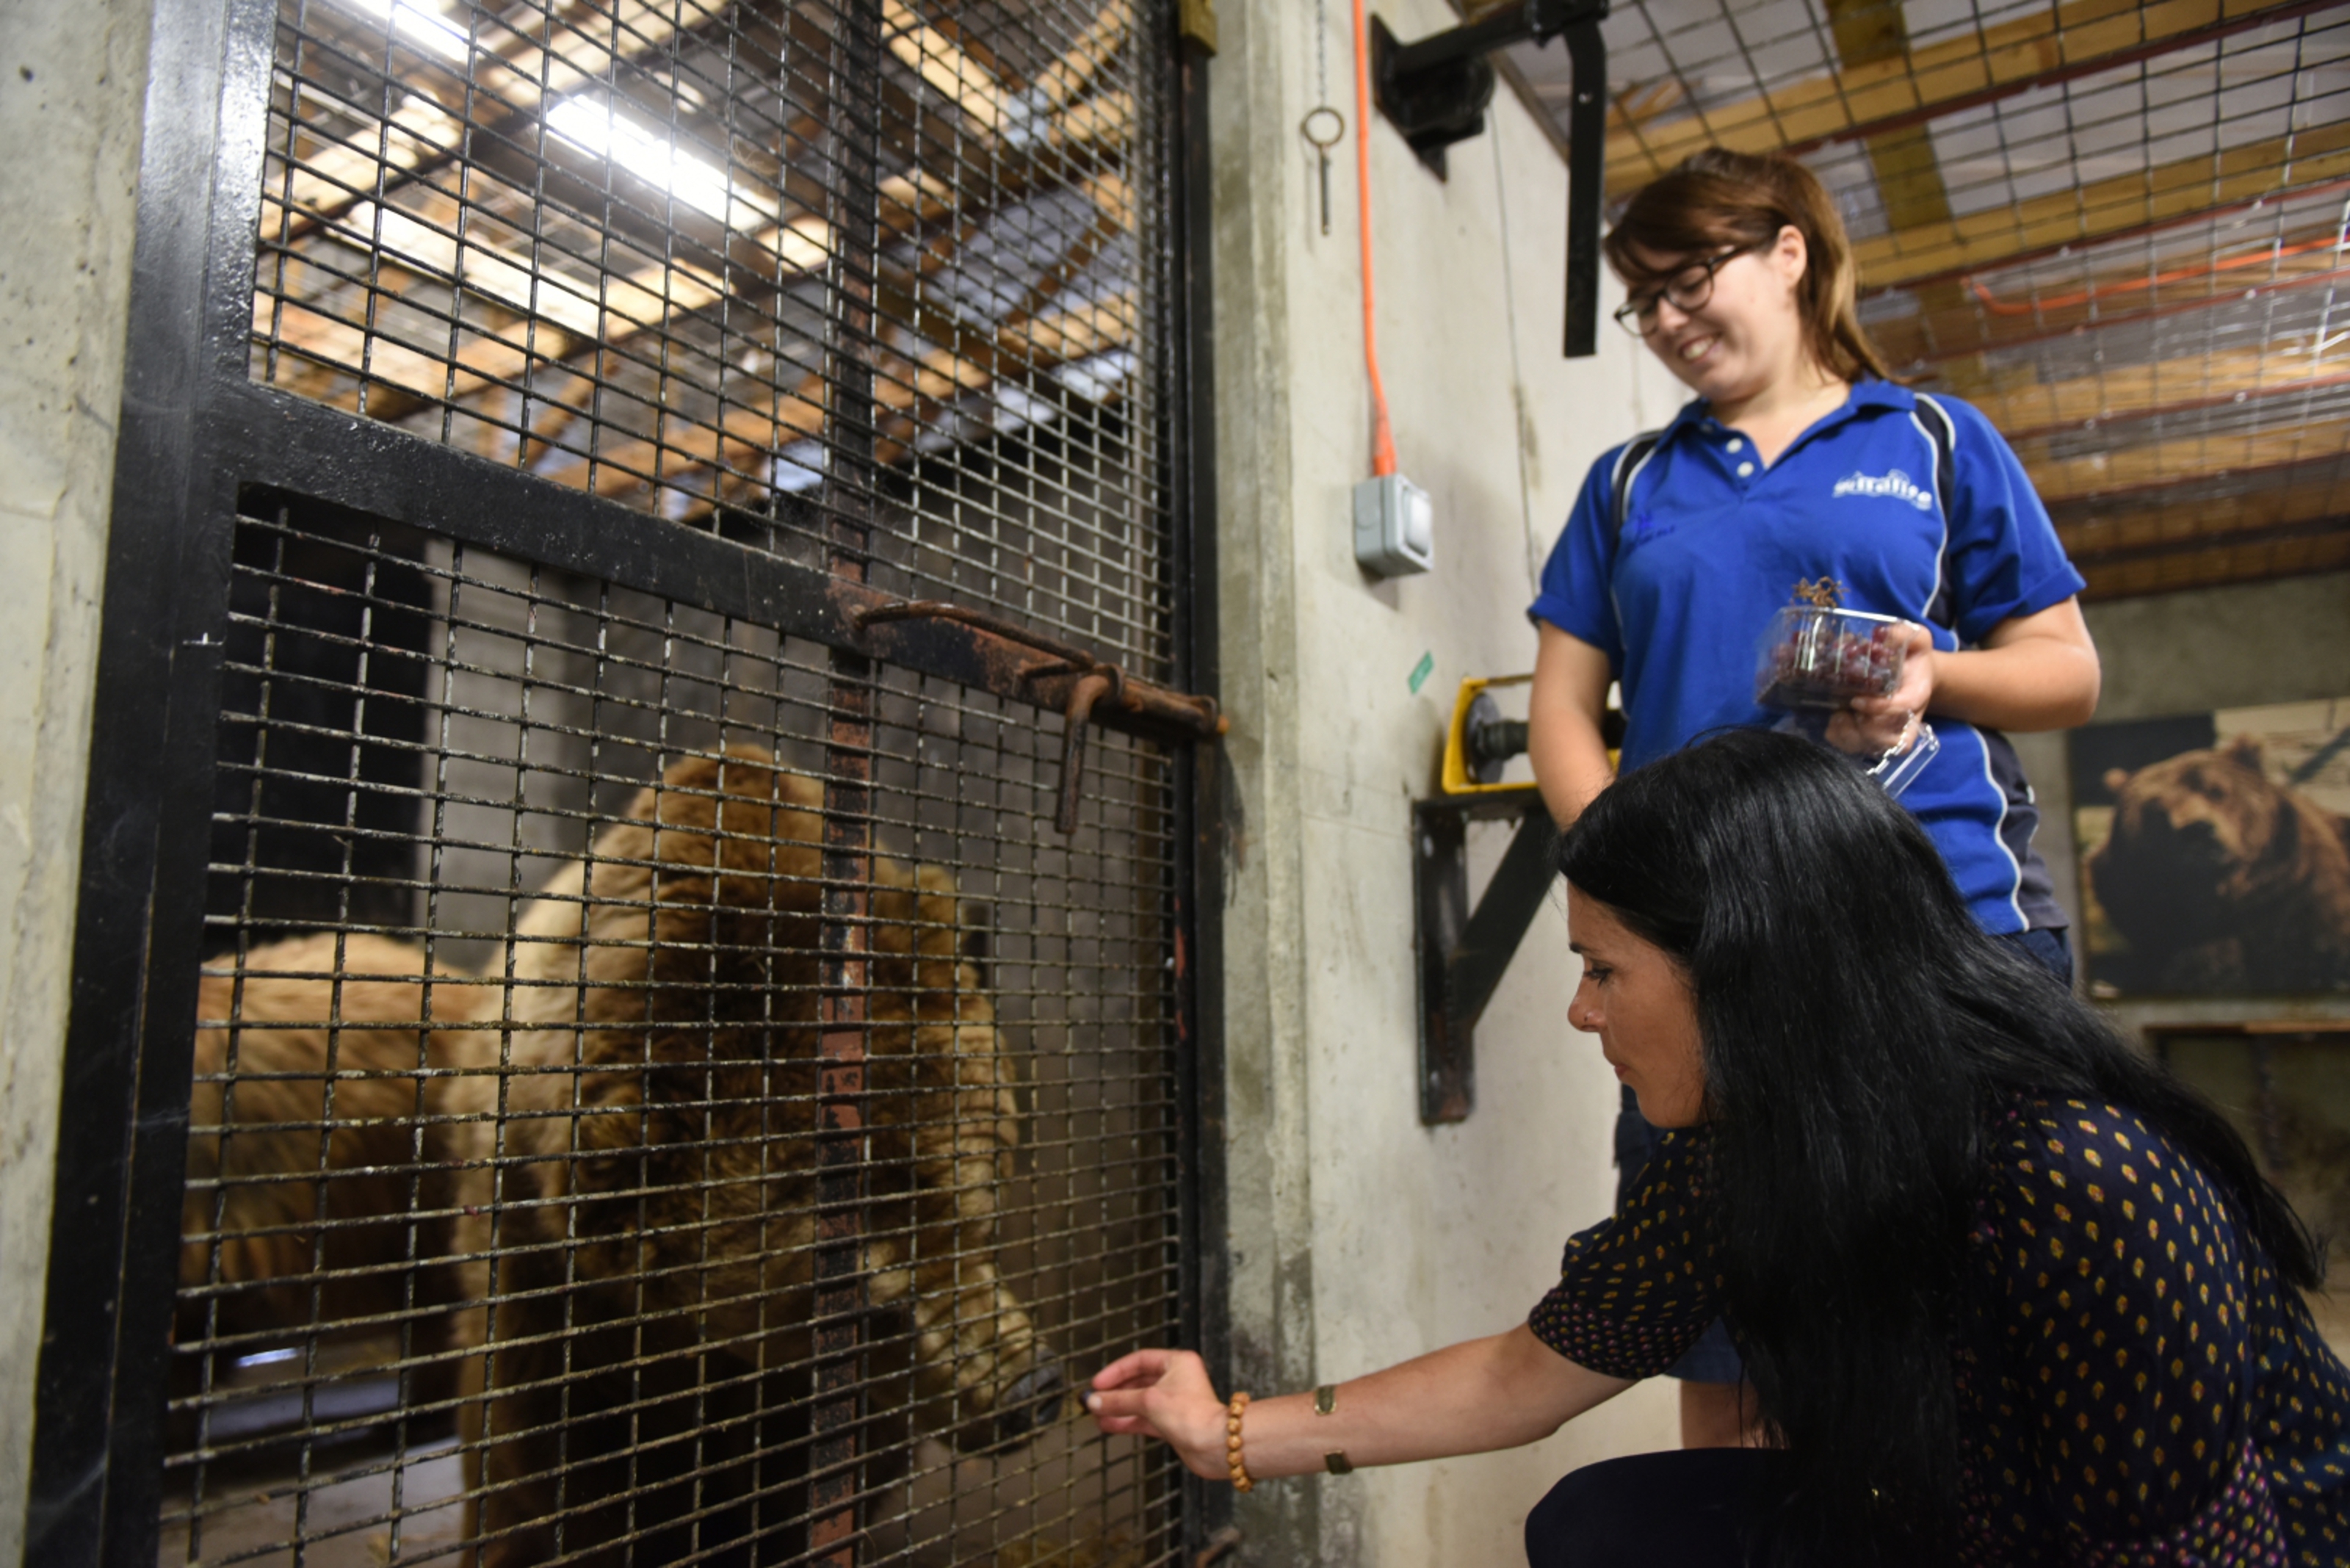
(1421, 671)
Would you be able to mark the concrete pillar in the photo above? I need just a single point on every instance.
(72, 79)
(1360, 1238)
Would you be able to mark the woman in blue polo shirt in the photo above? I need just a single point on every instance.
(1799, 459)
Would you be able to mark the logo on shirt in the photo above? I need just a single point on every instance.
(1897, 484)
(1643, 529)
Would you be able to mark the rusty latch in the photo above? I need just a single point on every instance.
(1096, 679)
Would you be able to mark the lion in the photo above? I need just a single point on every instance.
(593, 1179)
(319, 1194)
(2223, 881)
(643, 1218)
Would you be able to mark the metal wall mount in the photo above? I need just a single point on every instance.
(1435, 90)
(1464, 948)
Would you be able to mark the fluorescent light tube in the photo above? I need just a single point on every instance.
(593, 126)
(421, 21)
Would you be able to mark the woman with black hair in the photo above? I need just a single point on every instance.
(2008, 1292)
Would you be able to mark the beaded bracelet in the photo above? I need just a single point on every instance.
(1241, 1482)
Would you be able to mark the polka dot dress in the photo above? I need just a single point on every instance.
(2140, 1389)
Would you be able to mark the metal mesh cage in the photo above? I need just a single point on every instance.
(612, 1135)
(667, 1089)
(705, 258)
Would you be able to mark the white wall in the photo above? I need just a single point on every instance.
(1362, 1237)
(72, 75)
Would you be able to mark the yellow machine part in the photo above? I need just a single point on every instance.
(1457, 777)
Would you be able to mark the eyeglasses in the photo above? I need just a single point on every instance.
(1688, 289)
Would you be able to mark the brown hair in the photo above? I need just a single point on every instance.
(1717, 199)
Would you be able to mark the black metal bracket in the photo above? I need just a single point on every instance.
(1437, 104)
(1435, 90)
(1464, 948)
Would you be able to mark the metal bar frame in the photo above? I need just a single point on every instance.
(197, 438)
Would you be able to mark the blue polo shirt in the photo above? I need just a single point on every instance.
(1713, 544)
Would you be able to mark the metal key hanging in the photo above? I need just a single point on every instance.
(1324, 127)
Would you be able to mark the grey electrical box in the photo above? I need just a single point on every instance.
(1395, 526)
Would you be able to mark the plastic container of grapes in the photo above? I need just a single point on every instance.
(1817, 658)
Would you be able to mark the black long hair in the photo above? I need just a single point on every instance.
(1860, 1032)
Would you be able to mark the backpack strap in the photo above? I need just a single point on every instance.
(1628, 463)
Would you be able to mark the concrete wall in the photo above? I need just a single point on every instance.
(1360, 1237)
(2237, 647)
(72, 76)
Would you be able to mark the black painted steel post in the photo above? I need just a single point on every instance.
(853, 141)
(1586, 185)
(1464, 948)
(1201, 768)
(1440, 892)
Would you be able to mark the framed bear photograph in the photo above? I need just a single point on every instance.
(2215, 851)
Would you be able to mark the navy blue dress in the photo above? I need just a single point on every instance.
(2141, 1388)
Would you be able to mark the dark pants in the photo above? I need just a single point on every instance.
(1687, 1509)
(2052, 950)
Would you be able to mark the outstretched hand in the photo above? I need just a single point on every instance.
(1163, 1394)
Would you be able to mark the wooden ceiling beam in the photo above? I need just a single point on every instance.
(2226, 488)
(1896, 92)
(2164, 36)
(2037, 410)
(557, 317)
(2186, 457)
(1904, 340)
(747, 435)
(2320, 548)
(2154, 523)
(2230, 539)
(2103, 210)
(585, 42)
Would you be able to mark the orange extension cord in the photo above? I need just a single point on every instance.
(1383, 458)
(1999, 306)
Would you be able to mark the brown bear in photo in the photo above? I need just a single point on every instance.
(618, 1157)
(2222, 881)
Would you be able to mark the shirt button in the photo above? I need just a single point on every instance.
(1736, 444)
(1744, 469)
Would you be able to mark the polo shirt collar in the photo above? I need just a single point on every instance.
(1871, 393)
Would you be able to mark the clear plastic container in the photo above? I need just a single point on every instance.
(1817, 658)
(1897, 770)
